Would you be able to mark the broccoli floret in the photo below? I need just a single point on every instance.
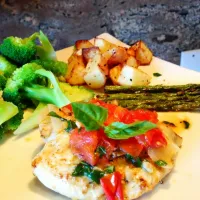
(2, 132)
(19, 50)
(2, 81)
(31, 122)
(28, 82)
(76, 93)
(45, 50)
(13, 123)
(10, 117)
(7, 111)
(24, 50)
(6, 67)
(52, 95)
(21, 77)
(57, 67)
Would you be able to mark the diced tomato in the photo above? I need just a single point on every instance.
(153, 138)
(83, 144)
(111, 109)
(103, 162)
(142, 115)
(97, 102)
(67, 109)
(123, 115)
(131, 146)
(112, 186)
(109, 144)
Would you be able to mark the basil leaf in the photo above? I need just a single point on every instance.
(90, 115)
(135, 161)
(160, 163)
(121, 131)
(109, 169)
(101, 150)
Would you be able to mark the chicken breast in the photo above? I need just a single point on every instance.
(55, 163)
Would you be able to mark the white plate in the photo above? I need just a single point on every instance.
(18, 183)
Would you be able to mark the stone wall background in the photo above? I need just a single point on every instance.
(167, 26)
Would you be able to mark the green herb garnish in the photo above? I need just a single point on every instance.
(169, 123)
(53, 114)
(156, 74)
(187, 124)
(109, 169)
(84, 169)
(70, 124)
(135, 161)
(101, 151)
(160, 163)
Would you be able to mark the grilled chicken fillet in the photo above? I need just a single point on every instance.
(54, 165)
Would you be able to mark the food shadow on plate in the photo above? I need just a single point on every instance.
(5, 138)
(36, 186)
(37, 150)
(18, 137)
(163, 185)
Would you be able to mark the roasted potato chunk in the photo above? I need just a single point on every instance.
(131, 51)
(94, 76)
(76, 70)
(103, 45)
(89, 53)
(128, 76)
(131, 61)
(80, 44)
(119, 56)
(114, 74)
(142, 53)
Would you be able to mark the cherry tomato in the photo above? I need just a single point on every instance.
(142, 115)
(153, 138)
(112, 186)
(131, 146)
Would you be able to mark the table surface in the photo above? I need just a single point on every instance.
(168, 27)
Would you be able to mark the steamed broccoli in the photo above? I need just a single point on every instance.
(13, 123)
(7, 111)
(57, 67)
(32, 122)
(45, 50)
(6, 67)
(2, 82)
(21, 77)
(51, 95)
(9, 119)
(24, 50)
(19, 50)
(28, 82)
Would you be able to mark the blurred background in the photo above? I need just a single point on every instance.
(167, 26)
